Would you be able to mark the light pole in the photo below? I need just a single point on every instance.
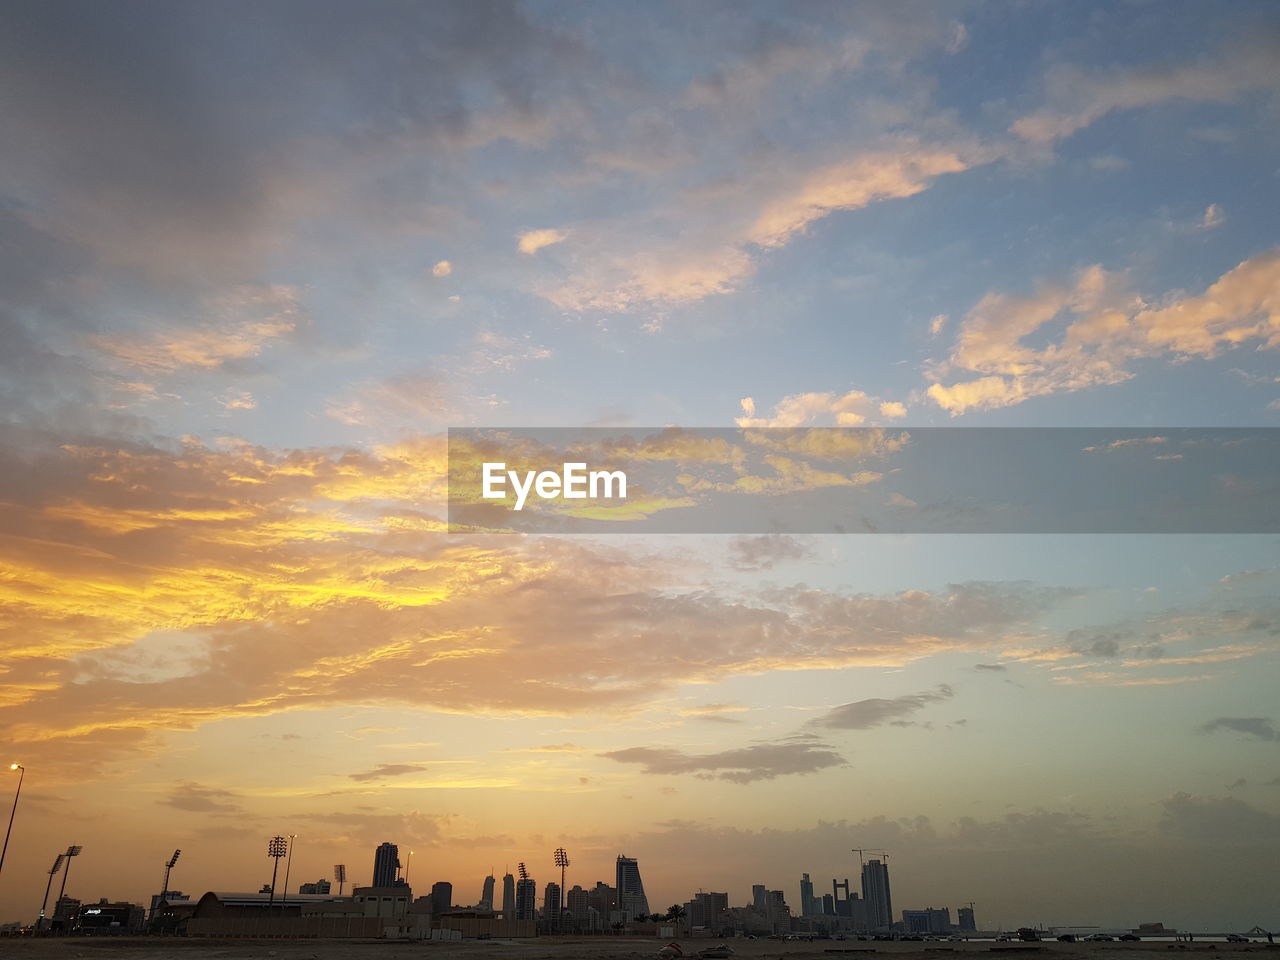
(164, 891)
(407, 864)
(57, 865)
(287, 864)
(277, 847)
(562, 861)
(72, 851)
(22, 772)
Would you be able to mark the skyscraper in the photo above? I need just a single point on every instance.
(441, 897)
(808, 905)
(758, 896)
(966, 919)
(875, 891)
(486, 895)
(578, 903)
(631, 899)
(508, 897)
(386, 865)
(526, 899)
(551, 906)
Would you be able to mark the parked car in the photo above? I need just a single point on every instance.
(1237, 938)
(1130, 937)
(1067, 937)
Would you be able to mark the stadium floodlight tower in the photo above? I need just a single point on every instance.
(53, 872)
(277, 847)
(340, 874)
(72, 851)
(164, 890)
(562, 861)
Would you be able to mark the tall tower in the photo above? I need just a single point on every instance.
(551, 906)
(526, 895)
(875, 891)
(631, 899)
(386, 865)
(508, 896)
(807, 905)
(486, 895)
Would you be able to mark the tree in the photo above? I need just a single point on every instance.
(676, 913)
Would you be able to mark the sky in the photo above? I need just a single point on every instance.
(258, 259)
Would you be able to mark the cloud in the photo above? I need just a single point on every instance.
(443, 268)
(804, 409)
(723, 235)
(532, 241)
(1259, 728)
(385, 770)
(766, 551)
(1104, 329)
(236, 326)
(1213, 217)
(311, 578)
(994, 667)
(1077, 97)
(415, 398)
(743, 765)
(197, 798)
(869, 178)
(875, 712)
(1211, 820)
(238, 400)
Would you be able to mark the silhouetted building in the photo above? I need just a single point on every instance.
(929, 920)
(526, 895)
(875, 891)
(386, 865)
(578, 902)
(604, 900)
(828, 905)
(808, 903)
(631, 899)
(441, 897)
(320, 886)
(508, 897)
(551, 906)
(758, 896)
(710, 910)
(486, 895)
(966, 919)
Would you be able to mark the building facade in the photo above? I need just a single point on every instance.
(875, 891)
(386, 865)
(631, 899)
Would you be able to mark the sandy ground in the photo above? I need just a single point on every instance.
(555, 948)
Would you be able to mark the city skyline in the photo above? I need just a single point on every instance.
(259, 260)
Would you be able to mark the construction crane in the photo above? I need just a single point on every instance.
(524, 874)
(861, 851)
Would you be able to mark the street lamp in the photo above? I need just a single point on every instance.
(22, 772)
(408, 862)
(287, 864)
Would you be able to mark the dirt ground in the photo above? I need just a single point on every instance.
(557, 948)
